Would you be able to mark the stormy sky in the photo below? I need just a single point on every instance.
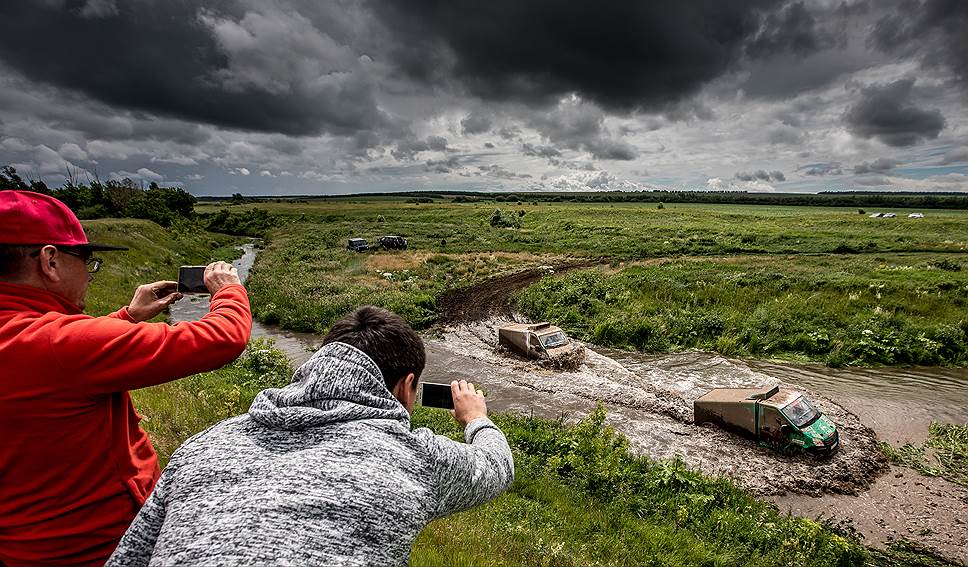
(342, 96)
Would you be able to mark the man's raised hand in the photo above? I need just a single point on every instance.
(469, 403)
(151, 299)
(219, 275)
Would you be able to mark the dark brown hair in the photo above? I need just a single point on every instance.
(386, 338)
(13, 260)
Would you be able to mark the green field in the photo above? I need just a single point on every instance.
(580, 497)
(805, 283)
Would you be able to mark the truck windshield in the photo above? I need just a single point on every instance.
(800, 412)
(553, 340)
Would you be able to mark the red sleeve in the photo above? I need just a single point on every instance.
(122, 314)
(109, 354)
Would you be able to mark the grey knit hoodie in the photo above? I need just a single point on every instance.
(322, 472)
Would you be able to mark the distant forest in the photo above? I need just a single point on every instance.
(907, 200)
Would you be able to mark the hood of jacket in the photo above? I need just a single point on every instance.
(340, 383)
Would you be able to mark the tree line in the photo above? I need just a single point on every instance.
(124, 198)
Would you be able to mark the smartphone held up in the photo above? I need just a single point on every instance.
(191, 279)
(436, 395)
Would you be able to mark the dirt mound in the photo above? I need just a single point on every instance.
(491, 298)
(647, 407)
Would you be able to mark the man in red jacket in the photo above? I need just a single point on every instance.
(75, 466)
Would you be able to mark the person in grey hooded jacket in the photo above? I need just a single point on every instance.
(325, 471)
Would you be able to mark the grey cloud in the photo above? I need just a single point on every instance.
(784, 134)
(762, 175)
(793, 29)
(821, 169)
(444, 165)
(539, 151)
(878, 165)
(475, 123)
(581, 126)
(498, 171)
(957, 155)
(935, 29)
(407, 149)
(886, 112)
(437, 143)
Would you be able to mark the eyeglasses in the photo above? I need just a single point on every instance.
(93, 262)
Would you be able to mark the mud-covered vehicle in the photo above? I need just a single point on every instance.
(543, 342)
(777, 417)
(393, 242)
(357, 245)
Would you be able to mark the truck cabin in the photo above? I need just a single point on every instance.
(357, 244)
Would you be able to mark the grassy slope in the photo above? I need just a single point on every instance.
(797, 282)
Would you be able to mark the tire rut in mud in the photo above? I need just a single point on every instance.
(491, 297)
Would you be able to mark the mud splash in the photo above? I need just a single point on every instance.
(653, 413)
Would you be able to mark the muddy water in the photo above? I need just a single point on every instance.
(649, 400)
(897, 403)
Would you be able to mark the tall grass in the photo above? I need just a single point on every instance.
(580, 498)
(840, 310)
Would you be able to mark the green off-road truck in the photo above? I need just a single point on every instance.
(777, 417)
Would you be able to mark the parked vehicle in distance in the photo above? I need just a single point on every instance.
(777, 417)
(916, 216)
(393, 242)
(541, 341)
(357, 244)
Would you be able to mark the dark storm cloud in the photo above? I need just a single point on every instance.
(622, 55)
(761, 175)
(793, 29)
(214, 65)
(879, 165)
(933, 28)
(887, 113)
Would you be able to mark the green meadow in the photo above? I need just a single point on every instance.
(804, 283)
(580, 497)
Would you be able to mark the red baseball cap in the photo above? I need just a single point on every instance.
(28, 218)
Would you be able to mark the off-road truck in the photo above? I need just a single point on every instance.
(393, 242)
(357, 245)
(777, 417)
(541, 341)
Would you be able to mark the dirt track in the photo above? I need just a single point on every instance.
(491, 298)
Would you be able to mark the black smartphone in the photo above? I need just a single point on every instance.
(191, 279)
(436, 395)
